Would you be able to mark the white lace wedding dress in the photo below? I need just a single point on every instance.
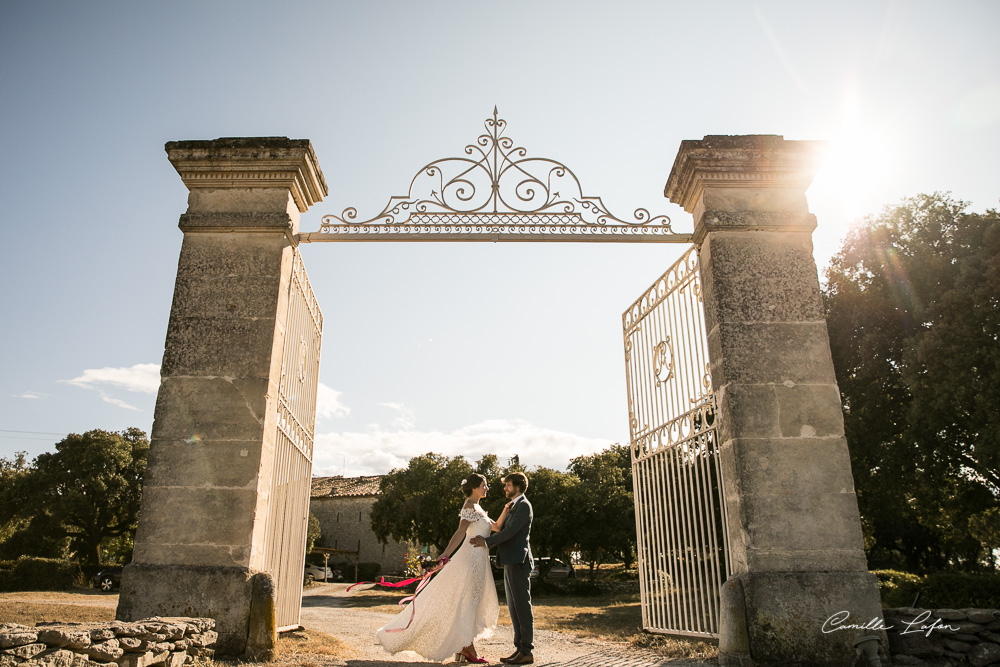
(457, 607)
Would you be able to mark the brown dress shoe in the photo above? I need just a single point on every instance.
(521, 659)
(510, 657)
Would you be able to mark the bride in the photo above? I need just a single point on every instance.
(459, 604)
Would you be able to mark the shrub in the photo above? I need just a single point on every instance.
(897, 589)
(957, 590)
(366, 571)
(939, 590)
(40, 574)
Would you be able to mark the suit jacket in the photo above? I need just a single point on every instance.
(512, 540)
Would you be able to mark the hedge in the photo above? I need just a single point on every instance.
(39, 574)
(939, 590)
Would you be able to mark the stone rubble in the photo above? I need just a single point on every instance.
(166, 642)
(943, 637)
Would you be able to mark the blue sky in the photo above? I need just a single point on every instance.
(456, 348)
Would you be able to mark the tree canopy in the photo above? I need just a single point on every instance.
(603, 506)
(913, 307)
(587, 509)
(87, 491)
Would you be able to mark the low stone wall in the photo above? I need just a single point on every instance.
(170, 642)
(943, 637)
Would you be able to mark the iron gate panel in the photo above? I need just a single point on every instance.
(680, 509)
(285, 535)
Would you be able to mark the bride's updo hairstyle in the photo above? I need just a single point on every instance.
(472, 482)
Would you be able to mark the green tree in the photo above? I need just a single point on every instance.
(553, 530)
(602, 508)
(420, 503)
(913, 307)
(314, 531)
(88, 490)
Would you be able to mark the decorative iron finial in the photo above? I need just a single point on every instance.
(496, 192)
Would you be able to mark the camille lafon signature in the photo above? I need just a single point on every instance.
(839, 622)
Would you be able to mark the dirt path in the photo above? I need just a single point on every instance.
(328, 609)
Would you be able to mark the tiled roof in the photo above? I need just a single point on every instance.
(334, 487)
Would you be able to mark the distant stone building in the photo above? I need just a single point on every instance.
(343, 506)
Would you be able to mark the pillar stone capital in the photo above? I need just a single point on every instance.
(249, 163)
(751, 182)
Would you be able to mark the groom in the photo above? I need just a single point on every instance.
(514, 553)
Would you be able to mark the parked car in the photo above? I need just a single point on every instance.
(317, 573)
(108, 579)
(551, 568)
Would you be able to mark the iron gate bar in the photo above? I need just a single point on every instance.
(496, 193)
(285, 533)
(680, 510)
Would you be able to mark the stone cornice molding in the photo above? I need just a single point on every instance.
(750, 161)
(251, 162)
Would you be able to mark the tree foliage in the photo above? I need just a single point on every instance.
(603, 509)
(913, 306)
(587, 509)
(87, 491)
(420, 503)
(314, 531)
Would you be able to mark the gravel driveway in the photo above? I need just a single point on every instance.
(327, 608)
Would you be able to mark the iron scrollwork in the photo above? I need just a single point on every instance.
(496, 192)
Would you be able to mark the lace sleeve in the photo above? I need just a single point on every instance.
(469, 514)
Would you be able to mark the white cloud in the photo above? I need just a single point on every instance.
(116, 401)
(328, 405)
(28, 394)
(377, 451)
(405, 419)
(142, 378)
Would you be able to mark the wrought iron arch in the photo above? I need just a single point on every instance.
(496, 192)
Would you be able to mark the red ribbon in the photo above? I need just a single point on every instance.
(424, 580)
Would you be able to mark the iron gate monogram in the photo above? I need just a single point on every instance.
(679, 503)
(285, 534)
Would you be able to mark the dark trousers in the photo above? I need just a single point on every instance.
(517, 588)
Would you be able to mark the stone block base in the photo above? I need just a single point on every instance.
(802, 618)
(222, 593)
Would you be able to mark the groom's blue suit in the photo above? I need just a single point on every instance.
(514, 553)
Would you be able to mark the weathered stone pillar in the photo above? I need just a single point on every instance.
(205, 497)
(794, 527)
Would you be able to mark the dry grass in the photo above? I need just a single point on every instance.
(304, 648)
(610, 620)
(55, 606)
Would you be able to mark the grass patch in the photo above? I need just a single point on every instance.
(616, 620)
(302, 648)
(13, 610)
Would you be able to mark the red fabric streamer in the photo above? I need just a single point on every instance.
(424, 580)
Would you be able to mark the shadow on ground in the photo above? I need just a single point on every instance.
(359, 600)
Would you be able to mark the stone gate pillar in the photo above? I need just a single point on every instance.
(794, 528)
(205, 497)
